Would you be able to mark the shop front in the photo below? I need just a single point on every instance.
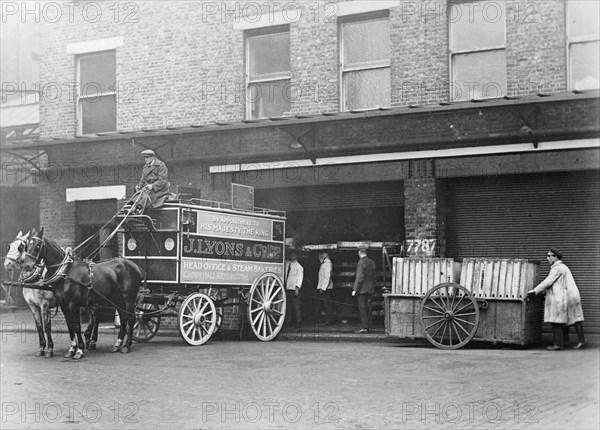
(335, 218)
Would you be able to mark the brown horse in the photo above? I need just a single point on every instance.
(78, 284)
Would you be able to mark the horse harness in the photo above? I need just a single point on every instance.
(60, 273)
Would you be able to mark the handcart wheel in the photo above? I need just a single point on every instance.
(197, 319)
(266, 306)
(449, 316)
(147, 322)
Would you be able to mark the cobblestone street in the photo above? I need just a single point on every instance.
(295, 384)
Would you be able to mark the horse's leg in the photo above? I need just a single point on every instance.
(67, 313)
(91, 332)
(87, 335)
(129, 322)
(48, 328)
(76, 314)
(96, 315)
(122, 331)
(37, 316)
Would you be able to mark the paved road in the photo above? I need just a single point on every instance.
(232, 384)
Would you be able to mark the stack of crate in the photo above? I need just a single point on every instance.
(416, 276)
(498, 277)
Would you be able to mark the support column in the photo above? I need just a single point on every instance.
(424, 214)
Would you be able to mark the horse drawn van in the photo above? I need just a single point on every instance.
(198, 255)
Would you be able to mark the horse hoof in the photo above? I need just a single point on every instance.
(78, 355)
(49, 354)
(40, 353)
(125, 350)
(115, 349)
(70, 353)
(91, 346)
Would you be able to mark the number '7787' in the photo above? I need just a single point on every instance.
(421, 245)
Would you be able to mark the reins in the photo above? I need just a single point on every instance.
(33, 280)
(97, 251)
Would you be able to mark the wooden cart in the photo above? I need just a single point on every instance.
(451, 303)
(198, 256)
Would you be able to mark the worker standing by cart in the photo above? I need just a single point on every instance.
(563, 303)
(364, 286)
(294, 275)
(325, 287)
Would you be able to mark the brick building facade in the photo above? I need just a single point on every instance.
(183, 72)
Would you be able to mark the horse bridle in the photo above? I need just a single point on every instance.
(38, 248)
(22, 246)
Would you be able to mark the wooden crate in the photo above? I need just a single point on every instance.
(502, 283)
(403, 316)
(498, 277)
(416, 276)
(509, 321)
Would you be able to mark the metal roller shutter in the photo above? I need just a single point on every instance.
(522, 216)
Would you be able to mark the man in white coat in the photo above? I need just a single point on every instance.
(294, 275)
(563, 303)
(325, 287)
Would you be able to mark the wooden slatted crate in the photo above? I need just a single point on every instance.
(498, 278)
(416, 276)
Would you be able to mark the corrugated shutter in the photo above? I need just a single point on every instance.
(523, 216)
(339, 196)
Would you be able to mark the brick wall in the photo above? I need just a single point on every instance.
(536, 47)
(181, 65)
(420, 213)
(419, 57)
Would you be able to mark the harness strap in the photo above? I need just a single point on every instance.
(35, 276)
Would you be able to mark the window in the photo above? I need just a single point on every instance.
(365, 61)
(91, 216)
(583, 44)
(96, 92)
(268, 72)
(477, 50)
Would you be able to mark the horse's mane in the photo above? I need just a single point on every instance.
(53, 247)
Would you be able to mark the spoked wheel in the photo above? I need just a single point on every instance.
(449, 315)
(197, 319)
(266, 306)
(147, 322)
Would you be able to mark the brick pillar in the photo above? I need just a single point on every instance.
(424, 217)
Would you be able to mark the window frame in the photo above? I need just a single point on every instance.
(570, 41)
(284, 76)
(378, 15)
(80, 97)
(452, 53)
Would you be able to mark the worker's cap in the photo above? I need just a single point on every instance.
(556, 252)
(363, 248)
(148, 153)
